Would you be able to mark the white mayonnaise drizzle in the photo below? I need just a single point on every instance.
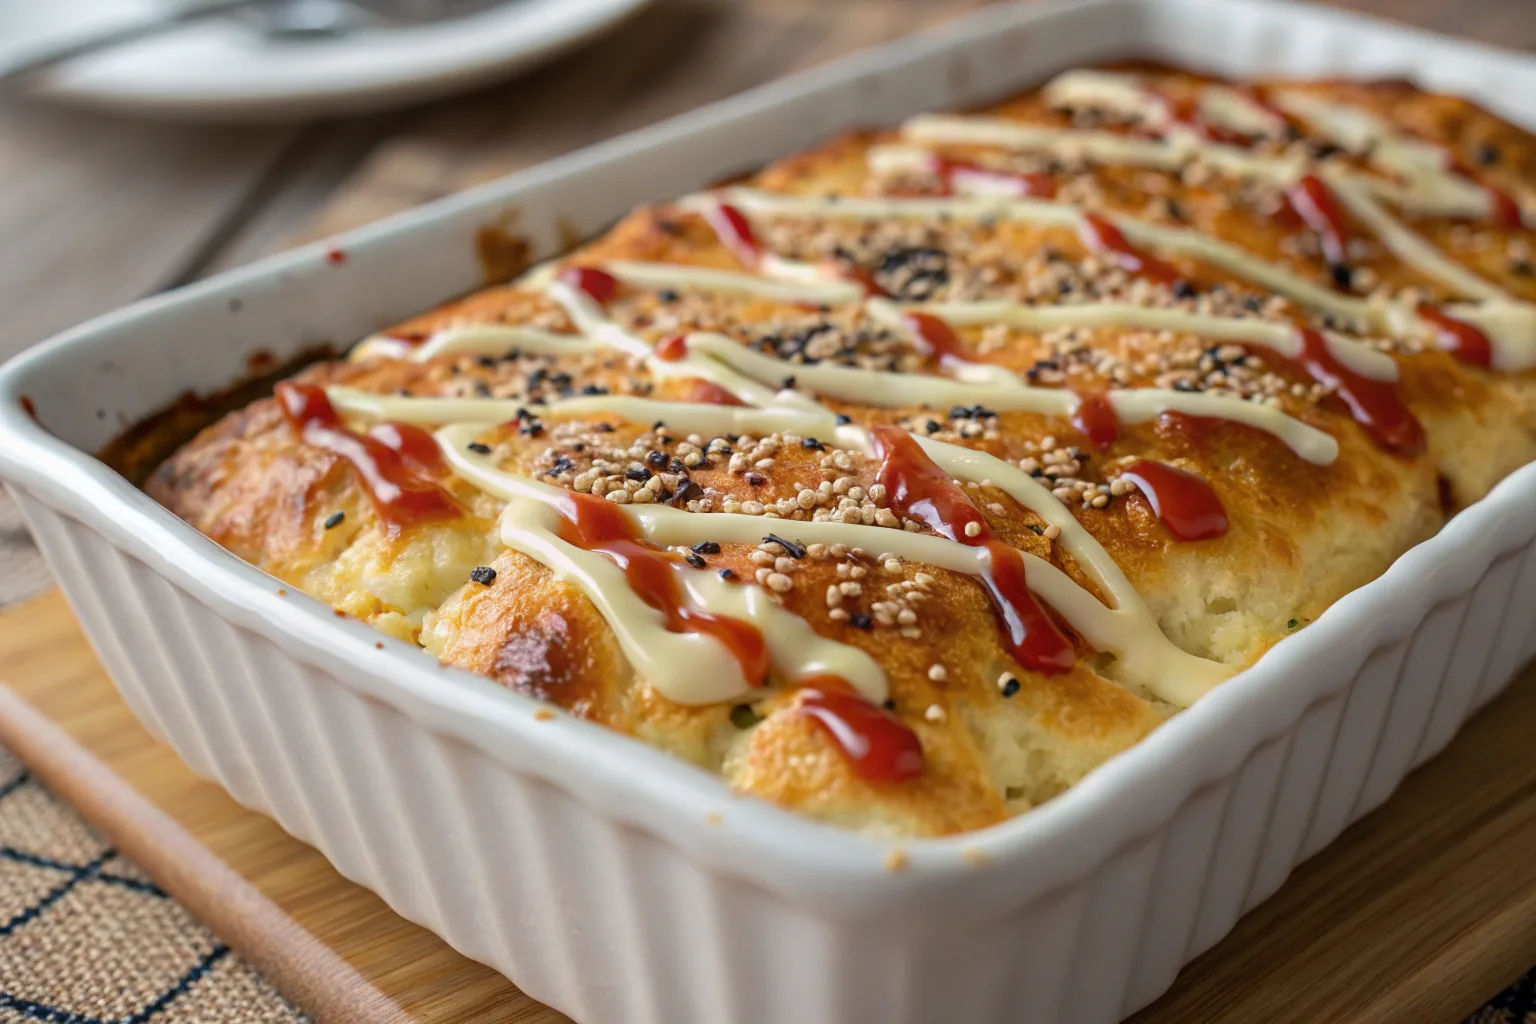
(689, 668)
(1513, 347)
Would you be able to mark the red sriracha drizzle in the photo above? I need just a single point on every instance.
(1315, 202)
(1184, 502)
(1100, 236)
(675, 347)
(876, 746)
(400, 496)
(599, 285)
(596, 524)
(934, 337)
(735, 233)
(1375, 404)
(672, 348)
(1459, 338)
(955, 173)
(418, 446)
(1096, 418)
(921, 489)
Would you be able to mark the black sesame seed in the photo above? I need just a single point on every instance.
(843, 420)
(788, 383)
(334, 520)
(669, 227)
(594, 389)
(1032, 528)
(1523, 267)
(727, 574)
(488, 362)
(1010, 687)
(655, 458)
(483, 575)
(934, 426)
(639, 474)
(813, 444)
(756, 479)
(478, 448)
(1291, 624)
(743, 717)
(888, 704)
(707, 547)
(1182, 289)
(686, 492)
(792, 549)
(667, 295)
(1488, 154)
(694, 559)
(1342, 275)
(562, 463)
(861, 621)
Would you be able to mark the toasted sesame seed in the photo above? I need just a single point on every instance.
(1052, 532)
(543, 715)
(780, 583)
(934, 713)
(896, 861)
(938, 673)
(973, 529)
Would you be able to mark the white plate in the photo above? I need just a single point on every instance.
(223, 69)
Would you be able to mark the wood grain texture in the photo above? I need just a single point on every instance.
(1418, 913)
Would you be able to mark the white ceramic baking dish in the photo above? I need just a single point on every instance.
(623, 886)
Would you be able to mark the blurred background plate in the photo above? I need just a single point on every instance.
(234, 67)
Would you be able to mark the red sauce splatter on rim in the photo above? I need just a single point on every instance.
(1096, 418)
(1102, 237)
(876, 746)
(1185, 503)
(30, 409)
(1314, 201)
(335, 257)
(599, 285)
(735, 233)
(596, 524)
(919, 488)
(1459, 338)
(1374, 404)
(400, 496)
(955, 174)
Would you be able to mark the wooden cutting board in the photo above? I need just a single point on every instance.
(1419, 913)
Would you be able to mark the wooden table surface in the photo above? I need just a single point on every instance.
(97, 211)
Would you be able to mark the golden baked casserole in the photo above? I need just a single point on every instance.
(907, 481)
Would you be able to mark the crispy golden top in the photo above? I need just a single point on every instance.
(997, 733)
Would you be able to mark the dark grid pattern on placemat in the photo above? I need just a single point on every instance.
(87, 938)
(1515, 1005)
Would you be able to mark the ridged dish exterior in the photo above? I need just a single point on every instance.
(601, 891)
(617, 926)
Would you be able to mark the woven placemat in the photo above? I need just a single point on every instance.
(87, 938)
